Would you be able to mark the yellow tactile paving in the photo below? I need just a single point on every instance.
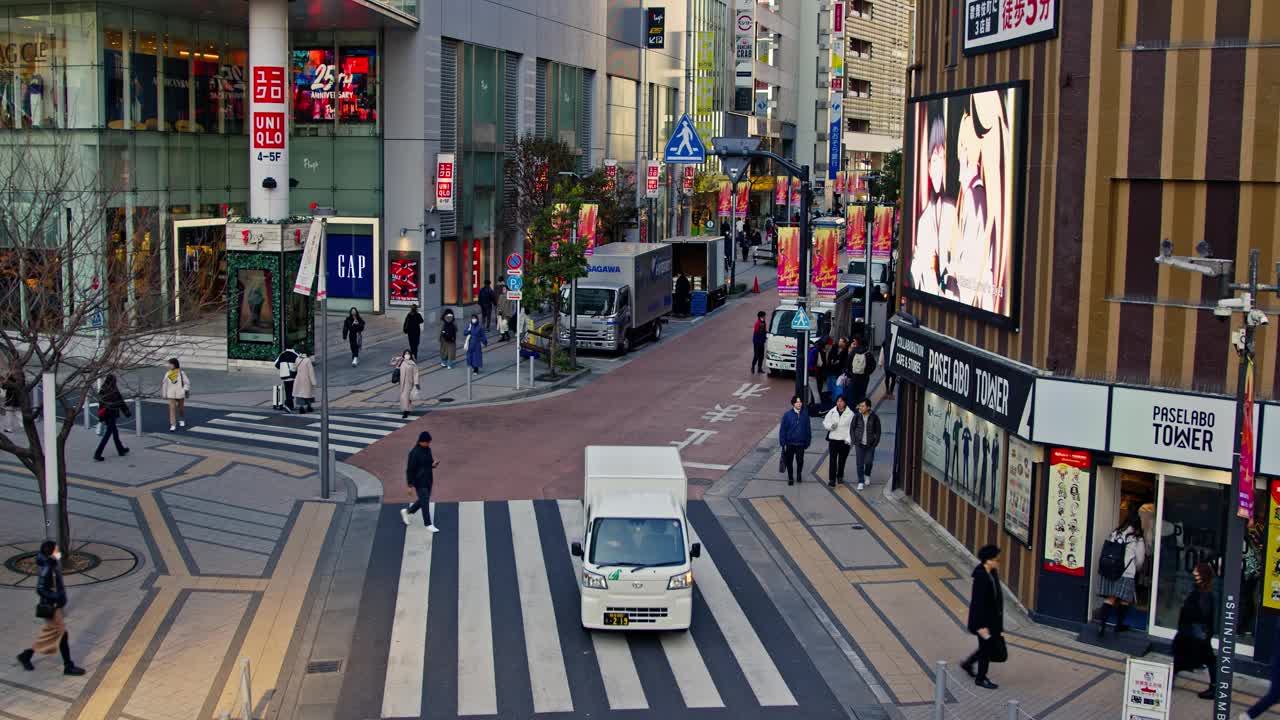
(163, 537)
(124, 665)
(287, 468)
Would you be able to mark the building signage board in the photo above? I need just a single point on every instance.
(1019, 494)
(1148, 689)
(833, 147)
(653, 175)
(349, 261)
(1067, 508)
(445, 176)
(964, 452)
(987, 386)
(993, 24)
(655, 28)
(404, 276)
(1190, 429)
(744, 42)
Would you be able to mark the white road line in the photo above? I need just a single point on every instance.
(383, 415)
(477, 686)
(706, 466)
(763, 676)
(696, 686)
(295, 442)
(368, 421)
(617, 667)
(246, 416)
(271, 430)
(547, 678)
(377, 432)
(406, 658)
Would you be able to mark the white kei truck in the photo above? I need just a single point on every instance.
(636, 554)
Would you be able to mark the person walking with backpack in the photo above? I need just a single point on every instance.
(986, 618)
(353, 333)
(862, 362)
(448, 340)
(794, 435)
(839, 426)
(52, 593)
(1123, 553)
(759, 334)
(866, 436)
(111, 405)
(175, 386)
(420, 476)
(413, 329)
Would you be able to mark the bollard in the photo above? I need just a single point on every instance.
(86, 415)
(939, 690)
(531, 373)
(1013, 710)
(137, 416)
(326, 479)
(469, 374)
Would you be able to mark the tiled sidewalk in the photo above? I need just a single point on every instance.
(227, 546)
(897, 588)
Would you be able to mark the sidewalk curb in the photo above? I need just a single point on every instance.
(368, 489)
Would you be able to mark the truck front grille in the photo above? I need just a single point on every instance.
(641, 614)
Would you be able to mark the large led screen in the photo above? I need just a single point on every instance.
(965, 188)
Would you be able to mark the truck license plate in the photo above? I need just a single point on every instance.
(616, 618)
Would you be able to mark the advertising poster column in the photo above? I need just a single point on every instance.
(788, 261)
(404, 277)
(882, 234)
(856, 231)
(724, 204)
(1066, 519)
(587, 216)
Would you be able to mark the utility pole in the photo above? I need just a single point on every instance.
(1242, 471)
(326, 482)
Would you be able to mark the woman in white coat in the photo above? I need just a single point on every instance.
(408, 381)
(838, 423)
(304, 386)
(174, 387)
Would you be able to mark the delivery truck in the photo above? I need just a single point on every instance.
(624, 298)
(701, 259)
(636, 554)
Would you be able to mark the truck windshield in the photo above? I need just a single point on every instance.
(591, 301)
(780, 324)
(630, 542)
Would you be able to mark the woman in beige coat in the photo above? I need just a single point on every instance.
(304, 386)
(408, 381)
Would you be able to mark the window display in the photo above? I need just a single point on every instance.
(324, 89)
(257, 322)
(964, 452)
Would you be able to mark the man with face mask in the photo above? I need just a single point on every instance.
(448, 340)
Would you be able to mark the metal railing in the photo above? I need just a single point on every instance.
(970, 705)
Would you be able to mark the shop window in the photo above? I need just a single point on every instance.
(862, 9)
(859, 88)
(256, 320)
(858, 125)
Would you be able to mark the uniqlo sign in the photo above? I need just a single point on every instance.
(445, 167)
(268, 130)
(651, 178)
(268, 84)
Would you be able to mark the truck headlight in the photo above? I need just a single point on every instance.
(593, 580)
(683, 581)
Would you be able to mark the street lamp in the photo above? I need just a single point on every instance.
(323, 214)
(573, 285)
(1241, 476)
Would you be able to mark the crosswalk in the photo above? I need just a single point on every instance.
(348, 434)
(486, 623)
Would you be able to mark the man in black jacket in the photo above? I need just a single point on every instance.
(986, 616)
(413, 329)
(487, 300)
(420, 475)
(287, 367)
(866, 436)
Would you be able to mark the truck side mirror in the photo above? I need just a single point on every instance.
(575, 549)
(695, 550)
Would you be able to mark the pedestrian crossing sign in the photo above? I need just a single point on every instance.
(801, 321)
(685, 145)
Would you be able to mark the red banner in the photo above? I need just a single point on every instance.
(856, 231)
(795, 192)
(839, 186)
(788, 261)
(882, 237)
(726, 199)
(1246, 448)
(744, 194)
(826, 261)
(780, 190)
(477, 254)
(587, 218)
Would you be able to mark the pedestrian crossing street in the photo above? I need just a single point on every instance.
(484, 622)
(348, 434)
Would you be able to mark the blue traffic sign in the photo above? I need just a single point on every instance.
(685, 146)
(515, 283)
(801, 321)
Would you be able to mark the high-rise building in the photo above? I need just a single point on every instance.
(877, 51)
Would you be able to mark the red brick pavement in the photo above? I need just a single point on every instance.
(526, 450)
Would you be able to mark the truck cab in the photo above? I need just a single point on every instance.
(636, 552)
(781, 342)
(624, 298)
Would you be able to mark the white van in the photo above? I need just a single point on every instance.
(637, 570)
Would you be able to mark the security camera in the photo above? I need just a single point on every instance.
(1203, 249)
(1166, 247)
(1257, 317)
(269, 183)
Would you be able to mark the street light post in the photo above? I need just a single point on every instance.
(1241, 476)
(326, 482)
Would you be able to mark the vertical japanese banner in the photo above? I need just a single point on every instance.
(788, 261)
(611, 174)
(587, 217)
(882, 239)
(856, 231)
(1246, 448)
(744, 194)
(826, 255)
(726, 199)
(560, 212)
(780, 190)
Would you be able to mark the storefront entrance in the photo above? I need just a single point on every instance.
(200, 262)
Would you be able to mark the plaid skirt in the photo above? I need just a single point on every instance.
(1122, 589)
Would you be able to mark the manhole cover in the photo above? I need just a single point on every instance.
(319, 667)
(90, 562)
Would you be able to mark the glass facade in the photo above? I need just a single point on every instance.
(621, 129)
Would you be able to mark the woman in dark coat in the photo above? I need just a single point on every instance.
(111, 406)
(353, 333)
(53, 636)
(1191, 646)
(986, 615)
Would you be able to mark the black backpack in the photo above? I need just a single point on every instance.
(1111, 564)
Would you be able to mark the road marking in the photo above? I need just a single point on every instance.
(286, 430)
(246, 416)
(691, 674)
(617, 667)
(369, 421)
(376, 432)
(406, 658)
(312, 444)
(477, 687)
(763, 676)
(547, 678)
(705, 466)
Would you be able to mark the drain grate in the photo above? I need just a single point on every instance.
(320, 667)
(444, 399)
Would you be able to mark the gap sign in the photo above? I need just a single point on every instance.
(349, 259)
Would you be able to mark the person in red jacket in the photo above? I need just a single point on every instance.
(758, 335)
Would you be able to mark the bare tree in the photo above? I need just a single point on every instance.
(533, 168)
(80, 290)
